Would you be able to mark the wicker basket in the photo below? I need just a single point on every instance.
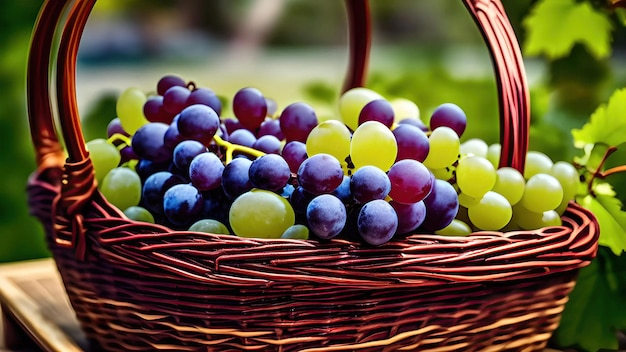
(136, 286)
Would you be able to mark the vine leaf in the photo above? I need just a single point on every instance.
(607, 125)
(611, 218)
(554, 26)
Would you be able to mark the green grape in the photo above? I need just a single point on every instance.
(122, 187)
(474, 146)
(510, 183)
(455, 228)
(567, 175)
(352, 102)
(329, 137)
(129, 109)
(475, 176)
(467, 201)
(104, 156)
(444, 174)
(138, 213)
(373, 144)
(492, 213)
(542, 193)
(296, 232)
(404, 109)
(536, 163)
(260, 214)
(528, 220)
(444, 148)
(209, 226)
(493, 154)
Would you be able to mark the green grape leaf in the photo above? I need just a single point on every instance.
(611, 218)
(596, 308)
(554, 26)
(607, 125)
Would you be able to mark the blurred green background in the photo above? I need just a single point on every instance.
(428, 51)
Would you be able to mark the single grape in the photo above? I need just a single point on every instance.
(148, 142)
(410, 216)
(155, 186)
(271, 127)
(405, 109)
(296, 232)
(104, 156)
(442, 206)
(493, 154)
(320, 173)
(235, 179)
(329, 137)
(475, 176)
(206, 97)
(122, 187)
(268, 144)
(129, 108)
(445, 174)
(232, 125)
(138, 213)
(127, 154)
(168, 81)
(182, 204)
(455, 228)
(175, 99)
(352, 102)
(377, 222)
(415, 123)
(542, 193)
(270, 172)
(198, 122)
(300, 199)
(250, 107)
(294, 154)
(261, 214)
(172, 136)
(468, 201)
(474, 146)
(444, 148)
(536, 163)
(297, 121)
(205, 171)
(377, 110)
(449, 115)
(242, 137)
(209, 226)
(154, 111)
(369, 183)
(185, 152)
(373, 144)
(492, 213)
(145, 168)
(411, 181)
(115, 127)
(510, 183)
(412, 143)
(529, 220)
(326, 216)
(343, 192)
(569, 179)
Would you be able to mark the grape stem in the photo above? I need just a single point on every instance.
(119, 137)
(230, 148)
(602, 174)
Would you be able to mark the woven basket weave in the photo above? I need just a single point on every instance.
(136, 286)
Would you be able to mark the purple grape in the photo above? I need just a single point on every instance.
(267, 144)
(185, 152)
(449, 115)
(326, 216)
(206, 97)
(155, 186)
(272, 106)
(377, 110)
(154, 111)
(412, 143)
(168, 81)
(182, 204)
(369, 183)
(414, 122)
(235, 179)
(232, 125)
(320, 173)
(270, 127)
(294, 154)
(216, 206)
(175, 99)
(242, 137)
(343, 191)
(115, 127)
(269, 172)
(442, 205)
(145, 168)
(377, 222)
(205, 171)
(172, 136)
(410, 216)
(250, 107)
(148, 142)
(297, 121)
(300, 200)
(410, 180)
(127, 154)
(198, 122)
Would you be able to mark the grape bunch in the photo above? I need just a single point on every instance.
(374, 172)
